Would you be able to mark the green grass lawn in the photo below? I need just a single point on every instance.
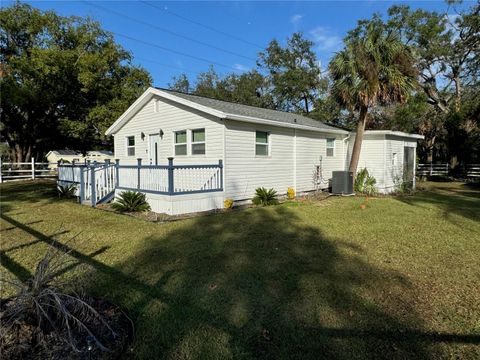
(399, 279)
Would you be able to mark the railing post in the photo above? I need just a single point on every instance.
(220, 165)
(139, 164)
(33, 168)
(170, 176)
(107, 165)
(82, 187)
(431, 169)
(117, 172)
(1, 165)
(93, 196)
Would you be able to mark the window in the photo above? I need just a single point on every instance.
(198, 142)
(261, 143)
(394, 159)
(331, 147)
(181, 142)
(130, 145)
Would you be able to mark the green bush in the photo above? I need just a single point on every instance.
(265, 197)
(67, 191)
(131, 201)
(365, 183)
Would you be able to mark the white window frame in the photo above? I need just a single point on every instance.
(127, 146)
(175, 143)
(198, 142)
(330, 147)
(268, 144)
(394, 159)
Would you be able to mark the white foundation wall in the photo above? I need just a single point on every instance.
(244, 171)
(169, 118)
(311, 149)
(183, 204)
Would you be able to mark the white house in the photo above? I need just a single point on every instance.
(258, 148)
(54, 156)
(99, 155)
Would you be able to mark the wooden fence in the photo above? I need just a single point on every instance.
(98, 181)
(26, 170)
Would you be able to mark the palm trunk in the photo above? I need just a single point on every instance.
(357, 145)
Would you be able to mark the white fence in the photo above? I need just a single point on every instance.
(473, 171)
(433, 169)
(27, 170)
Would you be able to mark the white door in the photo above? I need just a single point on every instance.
(154, 149)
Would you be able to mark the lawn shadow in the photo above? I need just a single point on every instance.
(462, 200)
(262, 284)
(32, 191)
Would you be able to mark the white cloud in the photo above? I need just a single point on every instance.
(240, 67)
(325, 39)
(295, 19)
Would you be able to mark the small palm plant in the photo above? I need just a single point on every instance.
(131, 201)
(365, 183)
(67, 191)
(265, 197)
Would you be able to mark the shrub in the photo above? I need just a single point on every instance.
(46, 312)
(228, 203)
(403, 187)
(365, 183)
(131, 201)
(265, 197)
(67, 191)
(291, 193)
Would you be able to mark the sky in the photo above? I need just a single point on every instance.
(169, 38)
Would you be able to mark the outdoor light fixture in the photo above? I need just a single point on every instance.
(90, 341)
(161, 133)
(142, 135)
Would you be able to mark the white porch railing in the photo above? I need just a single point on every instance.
(98, 181)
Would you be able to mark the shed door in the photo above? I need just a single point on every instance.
(154, 149)
(408, 163)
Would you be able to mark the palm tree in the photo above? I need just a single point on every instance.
(374, 67)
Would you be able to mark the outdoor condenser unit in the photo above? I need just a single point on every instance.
(342, 182)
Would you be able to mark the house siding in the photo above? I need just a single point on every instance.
(170, 118)
(312, 152)
(245, 171)
(372, 157)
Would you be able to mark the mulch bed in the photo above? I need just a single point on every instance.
(22, 342)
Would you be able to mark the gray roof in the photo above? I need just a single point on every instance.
(252, 111)
(67, 152)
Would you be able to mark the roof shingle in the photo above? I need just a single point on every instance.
(251, 111)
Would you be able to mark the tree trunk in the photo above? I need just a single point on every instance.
(458, 93)
(305, 99)
(357, 146)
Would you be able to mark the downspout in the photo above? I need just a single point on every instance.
(345, 150)
(295, 159)
(224, 158)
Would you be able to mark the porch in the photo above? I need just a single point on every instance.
(171, 189)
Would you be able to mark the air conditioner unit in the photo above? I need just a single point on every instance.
(342, 182)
